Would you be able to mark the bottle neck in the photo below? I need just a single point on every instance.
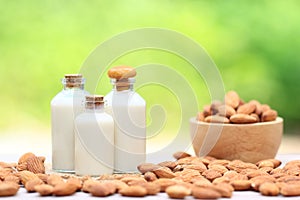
(94, 107)
(123, 84)
(73, 83)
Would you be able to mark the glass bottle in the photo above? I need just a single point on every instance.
(65, 106)
(128, 109)
(94, 139)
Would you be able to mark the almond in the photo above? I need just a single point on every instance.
(247, 108)
(44, 189)
(207, 110)
(26, 176)
(265, 107)
(205, 193)
(147, 167)
(64, 189)
(178, 191)
(119, 184)
(269, 189)
(180, 154)
(29, 186)
(22, 166)
(99, 189)
(164, 183)
(152, 188)
(200, 116)
(169, 164)
(269, 115)
(226, 111)
(232, 99)
(241, 184)
(211, 174)
(133, 191)
(150, 176)
(225, 189)
(242, 119)
(255, 116)
(35, 165)
(43, 177)
(216, 119)
(54, 179)
(258, 109)
(289, 190)
(214, 107)
(164, 172)
(88, 183)
(8, 189)
(25, 156)
(75, 181)
(12, 178)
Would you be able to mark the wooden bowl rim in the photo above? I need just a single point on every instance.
(277, 121)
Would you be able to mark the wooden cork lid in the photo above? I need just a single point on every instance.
(121, 72)
(94, 98)
(73, 80)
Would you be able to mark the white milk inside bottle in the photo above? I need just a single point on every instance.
(65, 106)
(128, 109)
(94, 139)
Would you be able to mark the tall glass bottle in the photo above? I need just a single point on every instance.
(65, 106)
(128, 109)
(94, 139)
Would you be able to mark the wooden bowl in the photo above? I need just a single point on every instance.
(246, 142)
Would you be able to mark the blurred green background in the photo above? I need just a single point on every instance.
(255, 45)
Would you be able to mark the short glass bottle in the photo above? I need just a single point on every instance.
(94, 139)
(128, 109)
(65, 106)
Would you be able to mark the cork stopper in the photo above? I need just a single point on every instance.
(94, 101)
(73, 80)
(94, 98)
(121, 72)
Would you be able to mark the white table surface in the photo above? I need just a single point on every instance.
(22, 193)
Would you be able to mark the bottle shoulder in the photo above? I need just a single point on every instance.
(99, 116)
(131, 97)
(64, 97)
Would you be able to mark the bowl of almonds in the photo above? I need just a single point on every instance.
(234, 129)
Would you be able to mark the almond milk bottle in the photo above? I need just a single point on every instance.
(65, 106)
(94, 139)
(128, 109)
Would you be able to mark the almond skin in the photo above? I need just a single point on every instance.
(8, 189)
(205, 193)
(226, 111)
(269, 115)
(26, 176)
(29, 186)
(64, 189)
(241, 184)
(133, 191)
(247, 108)
(164, 172)
(147, 167)
(232, 99)
(98, 189)
(150, 176)
(180, 154)
(269, 189)
(25, 156)
(178, 191)
(200, 116)
(242, 119)
(44, 189)
(35, 165)
(216, 119)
